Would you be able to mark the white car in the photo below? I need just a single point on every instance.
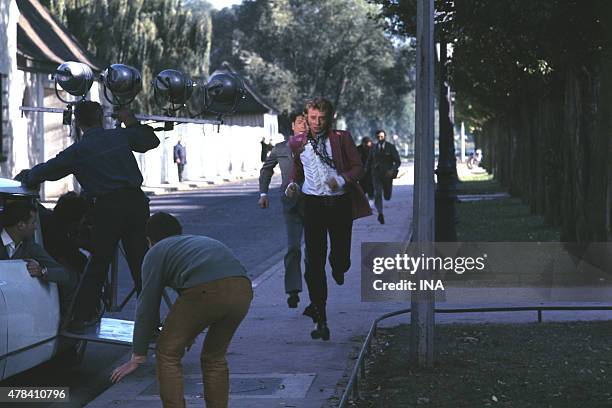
(30, 311)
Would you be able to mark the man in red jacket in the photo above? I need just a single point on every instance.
(326, 169)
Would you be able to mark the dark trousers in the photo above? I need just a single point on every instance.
(294, 224)
(366, 185)
(383, 187)
(180, 167)
(120, 215)
(325, 216)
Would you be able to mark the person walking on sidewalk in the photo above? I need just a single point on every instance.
(214, 293)
(293, 209)
(180, 158)
(383, 163)
(326, 168)
(364, 152)
(103, 163)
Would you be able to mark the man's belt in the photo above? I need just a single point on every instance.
(119, 191)
(328, 201)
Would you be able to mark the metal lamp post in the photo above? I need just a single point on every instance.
(422, 302)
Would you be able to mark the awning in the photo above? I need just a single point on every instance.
(43, 43)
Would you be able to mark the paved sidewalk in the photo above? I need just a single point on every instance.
(273, 361)
(197, 184)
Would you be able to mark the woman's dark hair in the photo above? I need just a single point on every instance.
(293, 116)
(162, 225)
(70, 208)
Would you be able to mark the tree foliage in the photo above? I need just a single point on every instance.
(289, 50)
(150, 35)
(506, 50)
(531, 77)
(295, 50)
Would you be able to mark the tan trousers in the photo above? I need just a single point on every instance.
(219, 305)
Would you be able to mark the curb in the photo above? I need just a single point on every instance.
(190, 185)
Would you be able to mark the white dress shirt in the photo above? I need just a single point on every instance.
(8, 243)
(316, 173)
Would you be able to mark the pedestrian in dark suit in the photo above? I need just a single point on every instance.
(180, 158)
(103, 163)
(293, 210)
(366, 181)
(326, 169)
(383, 163)
(19, 222)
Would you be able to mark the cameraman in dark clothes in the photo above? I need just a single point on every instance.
(104, 165)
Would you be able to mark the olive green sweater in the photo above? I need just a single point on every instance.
(179, 262)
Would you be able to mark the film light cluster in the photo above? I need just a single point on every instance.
(172, 89)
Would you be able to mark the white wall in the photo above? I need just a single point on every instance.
(213, 153)
(8, 34)
(57, 137)
(9, 15)
(24, 144)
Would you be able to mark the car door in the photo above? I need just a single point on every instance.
(33, 317)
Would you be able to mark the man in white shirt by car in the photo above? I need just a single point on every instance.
(20, 222)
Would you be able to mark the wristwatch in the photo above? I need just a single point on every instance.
(44, 272)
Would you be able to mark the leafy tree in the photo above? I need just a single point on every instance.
(531, 80)
(294, 50)
(289, 50)
(150, 35)
(505, 50)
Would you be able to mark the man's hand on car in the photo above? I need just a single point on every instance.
(34, 268)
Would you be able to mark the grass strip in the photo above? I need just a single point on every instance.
(557, 365)
(500, 219)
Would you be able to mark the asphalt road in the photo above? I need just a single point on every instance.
(228, 213)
